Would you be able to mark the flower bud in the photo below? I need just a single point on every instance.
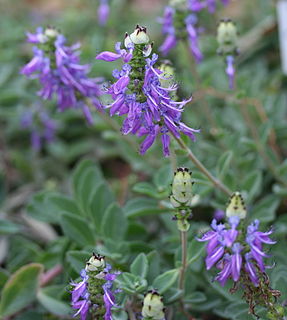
(236, 206)
(51, 33)
(139, 36)
(153, 307)
(96, 263)
(181, 194)
(227, 37)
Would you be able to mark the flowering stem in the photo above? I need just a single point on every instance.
(183, 236)
(202, 168)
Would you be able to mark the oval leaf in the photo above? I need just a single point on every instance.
(166, 280)
(139, 267)
(20, 290)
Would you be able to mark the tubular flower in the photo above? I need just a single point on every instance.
(60, 73)
(41, 126)
(235, 250)
(227, 46)
(94, 292)
(180, 22)
(140, 94)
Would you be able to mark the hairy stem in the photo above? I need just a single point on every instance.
(217, 183)
(183, 236)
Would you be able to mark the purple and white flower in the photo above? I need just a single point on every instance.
(233, 250)
(82, 298)
(180, 22)
(142, 96)
(58, 68)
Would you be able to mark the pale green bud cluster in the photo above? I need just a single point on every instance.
(181, 194)
(153, 307)
(95, 263)
(51, 32)
(236, 206)
(139, 36)
(227, 37)
(181, 197)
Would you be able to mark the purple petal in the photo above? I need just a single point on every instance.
(108, 56)
(212, 259)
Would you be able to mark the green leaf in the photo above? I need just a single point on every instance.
(145, 188)
(114, 223)
(8, 227)
(154, 265)
(52, 304)
(196, 297)
(20, 290)
(279, 280)
(77, 229)
(119, 315)
(79, 171)
(60, 203)
(252, 184)
(4, 276)
(131, 283)
(86, 178)
(224, 163)
(39, 210)
(194, 251)
(78, 259)
(139, 267)
(163, 177)
(172, 295)
(100, 200)
(138, 207)
(265, 209)
(166, 280)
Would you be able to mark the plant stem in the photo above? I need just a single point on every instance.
(202, 168)
(183, 237)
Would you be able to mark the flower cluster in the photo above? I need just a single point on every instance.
(41, 126)
(58, 69)
(234, 249)
(141, 94)
(227, 46)
(180, 22)
(94, 292)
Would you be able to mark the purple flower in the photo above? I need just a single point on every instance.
(192, 33)
(255, 239)
(218, 214)
(232, 254)
(230, 71)
(60, 73)
(196, 5)
(144, 99)
(82, 298)
(103, 12)
(38, 121)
